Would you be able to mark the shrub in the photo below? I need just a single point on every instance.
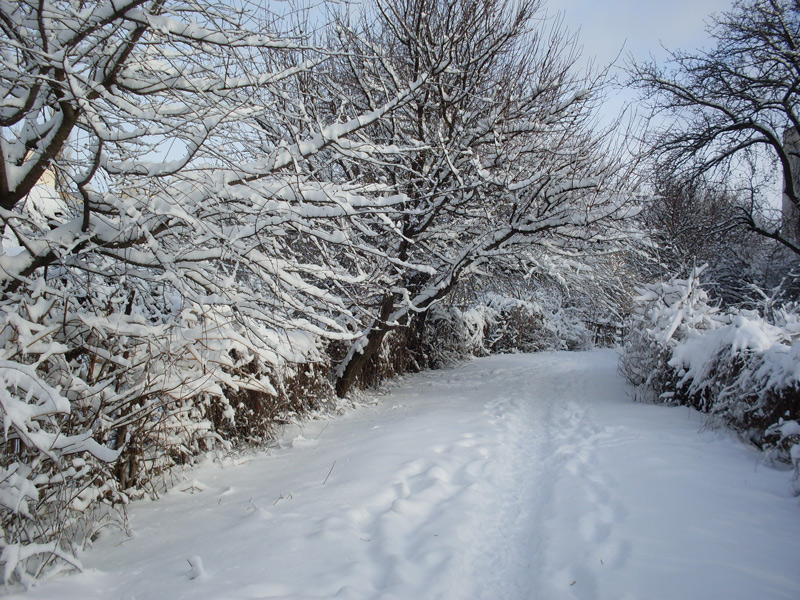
(663, 315)
(740, 367)
(497, 323)
(101, 408)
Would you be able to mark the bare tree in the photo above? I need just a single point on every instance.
(733, 107)
(694, 221)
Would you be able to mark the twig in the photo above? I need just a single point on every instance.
(329, 473)
(323, 430)
(282, 497)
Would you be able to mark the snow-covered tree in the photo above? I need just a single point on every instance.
(165, 243)
(504, 160)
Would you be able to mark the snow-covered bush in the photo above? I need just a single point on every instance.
(746, 372)
(783, 442)
(453, 334)
(741, 367)
(534, 325)
(98, 408)
(497, 323)
(663, 315)
(289, 387)
(52, 469)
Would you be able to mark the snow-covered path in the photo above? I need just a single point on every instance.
(513, 477)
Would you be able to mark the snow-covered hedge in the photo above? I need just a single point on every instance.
(535, 325)
(492, 324)
(453, 334)
(97, 408)
(739, 366)
(502, 324)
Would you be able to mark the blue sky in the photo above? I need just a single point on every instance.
(622, 30)
(638, 25)
(639, 28)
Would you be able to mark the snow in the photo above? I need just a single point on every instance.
(511, 477)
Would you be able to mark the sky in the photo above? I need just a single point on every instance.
(637, 27)
(610, 30)
(625, 29)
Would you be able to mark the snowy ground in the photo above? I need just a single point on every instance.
(513, 477)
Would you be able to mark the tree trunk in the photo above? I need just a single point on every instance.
(358, 361)
(354, 369)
